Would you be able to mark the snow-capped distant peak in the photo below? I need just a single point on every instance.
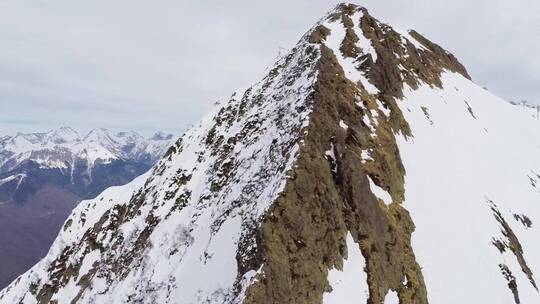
(161, 136)
(62, 147)
(62, 135)
(98, 135)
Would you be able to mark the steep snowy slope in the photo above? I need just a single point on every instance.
(366, 167)
(472, 191)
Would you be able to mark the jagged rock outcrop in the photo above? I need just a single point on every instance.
(357, 170)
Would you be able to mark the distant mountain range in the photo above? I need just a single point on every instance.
(44, 175)
(84, 165)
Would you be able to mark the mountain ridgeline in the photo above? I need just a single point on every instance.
(366, 167)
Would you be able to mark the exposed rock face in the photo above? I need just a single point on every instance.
(268, 199)
(319, 207)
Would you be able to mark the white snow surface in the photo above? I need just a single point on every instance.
(453, 167)
(391, 298)
(343, 125)
(191, 254)
(18, 177)
(406, 36)
(349, 286)
(379, 192)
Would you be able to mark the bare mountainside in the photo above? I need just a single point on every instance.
(366, 167)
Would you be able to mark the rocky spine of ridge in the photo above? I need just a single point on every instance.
(303, 235)
(312, 141)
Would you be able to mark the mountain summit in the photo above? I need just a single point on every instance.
(366, 167)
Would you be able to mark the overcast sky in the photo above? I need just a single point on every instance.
(148, 65)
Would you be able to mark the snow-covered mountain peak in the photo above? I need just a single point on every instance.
(161, 136)
(62, 135)
(363, 44)
(313, 186)
(101, 136)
